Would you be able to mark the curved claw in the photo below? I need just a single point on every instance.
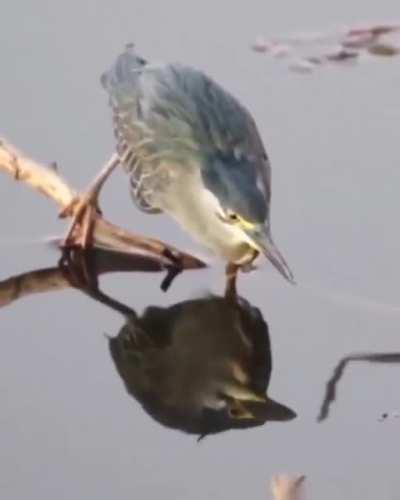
(79, 234)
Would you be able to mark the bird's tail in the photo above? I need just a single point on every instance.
(124, 71)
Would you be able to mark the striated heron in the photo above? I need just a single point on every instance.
(192, 151)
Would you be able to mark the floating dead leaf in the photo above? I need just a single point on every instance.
(342, 55)
(382, 49)
(304, 52)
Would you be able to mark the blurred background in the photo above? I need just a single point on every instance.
(67, 427)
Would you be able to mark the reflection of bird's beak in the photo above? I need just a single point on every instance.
(262, 240)
(239, 411)
(239, 398)
(260, 408)
(277, 412)
(238, 392)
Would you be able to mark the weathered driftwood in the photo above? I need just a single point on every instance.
(49, 183)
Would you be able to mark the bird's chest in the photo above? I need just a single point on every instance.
(195, 209)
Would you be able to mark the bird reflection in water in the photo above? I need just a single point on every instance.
(202, 366)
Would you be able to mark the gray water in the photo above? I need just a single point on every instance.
(68, 429)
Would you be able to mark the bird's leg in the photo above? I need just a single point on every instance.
(248, 266)
(77, 267)
(231, 271)
(84, 209)
(172, 271)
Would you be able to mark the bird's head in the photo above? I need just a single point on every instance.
(244, 204)
(237, 406)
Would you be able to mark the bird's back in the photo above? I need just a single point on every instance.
(175, 112)
(156, 94)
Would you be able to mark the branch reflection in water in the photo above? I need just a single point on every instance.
(201, 366)
(338, 372)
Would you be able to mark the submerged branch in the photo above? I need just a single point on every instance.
(80, 271)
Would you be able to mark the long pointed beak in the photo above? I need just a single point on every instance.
(262, 239)
(278, 412)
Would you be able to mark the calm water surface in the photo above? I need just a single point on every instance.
(68, 428)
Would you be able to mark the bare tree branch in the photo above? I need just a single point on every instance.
(337, 374)
(105, 234)
(44, 180)
(73, 273)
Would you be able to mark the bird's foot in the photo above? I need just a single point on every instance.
(84, 211)
(249, 265)
(247, 268)
(76, 266)
(231, 272)
(173, 270)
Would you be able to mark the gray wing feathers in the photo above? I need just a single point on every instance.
(217, 121)
(180, 112)
(261, 159)
(127, 139)
(121, 83)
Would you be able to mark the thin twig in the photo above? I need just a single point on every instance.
(44, 180)
(337, 374)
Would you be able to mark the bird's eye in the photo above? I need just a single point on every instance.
(228, 217)
(232, 217)
(234, 413)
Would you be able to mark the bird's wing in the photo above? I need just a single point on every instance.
(134, 146)
(217, 122)
(134, 162)
(181, 112)
(255, 147)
